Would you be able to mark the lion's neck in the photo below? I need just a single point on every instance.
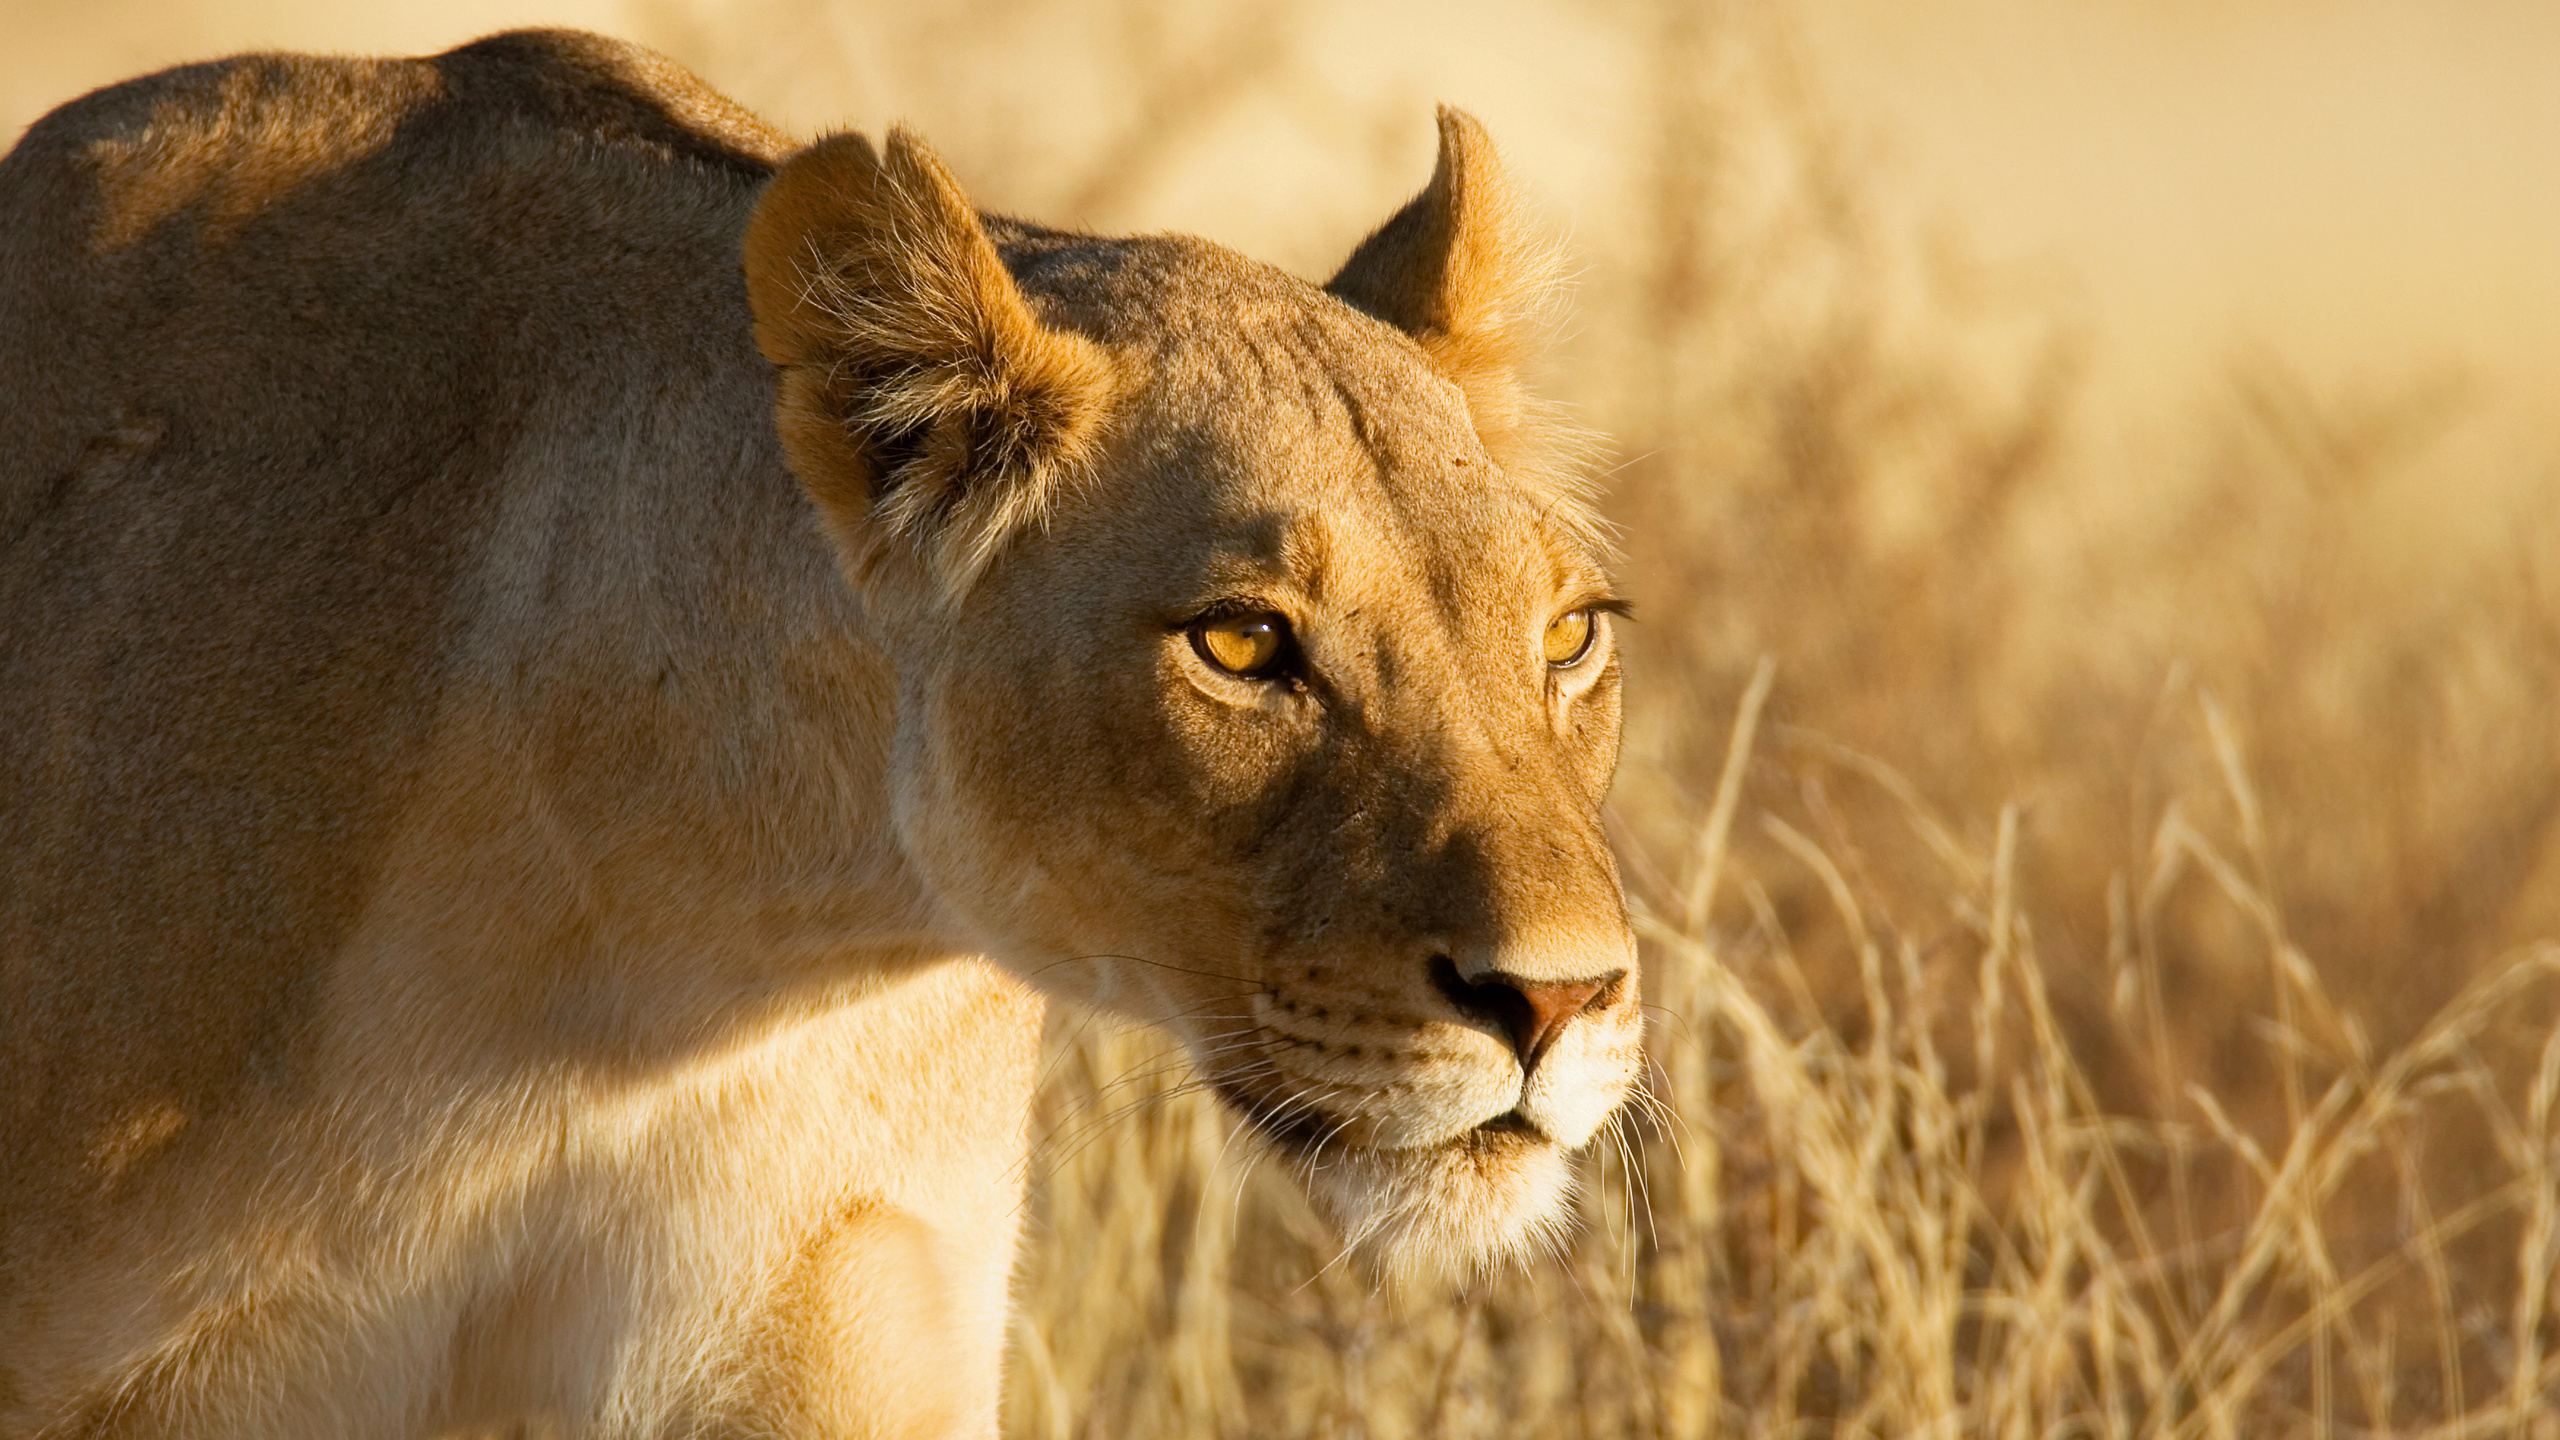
(667, 722)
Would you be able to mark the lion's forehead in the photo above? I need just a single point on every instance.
(1279, 442)
(1307, 457)
(1225, 339)
(1148, 291)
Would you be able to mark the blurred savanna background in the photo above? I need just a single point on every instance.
(2089, 477)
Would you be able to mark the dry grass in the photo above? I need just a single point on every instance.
(2095, 976)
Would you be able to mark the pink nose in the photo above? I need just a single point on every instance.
(1549, 1007)
(1531, 1012)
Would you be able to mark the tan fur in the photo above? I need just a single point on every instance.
(569, 675)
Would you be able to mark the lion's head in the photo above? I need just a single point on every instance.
(1255, 666)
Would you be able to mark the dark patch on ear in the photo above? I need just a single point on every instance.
(920, 399)
(892, 454)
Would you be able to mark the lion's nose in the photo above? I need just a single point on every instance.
(1531, 1012)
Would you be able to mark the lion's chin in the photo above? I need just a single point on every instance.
(1447, 1212)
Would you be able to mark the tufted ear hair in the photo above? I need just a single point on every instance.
(1462, 271)
(918, 398)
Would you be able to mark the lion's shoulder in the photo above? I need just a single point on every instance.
(291, 347)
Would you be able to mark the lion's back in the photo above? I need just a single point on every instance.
(275, 333)
(260, 227)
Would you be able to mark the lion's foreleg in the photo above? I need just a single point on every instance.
(870, 1336)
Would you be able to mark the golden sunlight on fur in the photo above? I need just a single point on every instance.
(571, 674)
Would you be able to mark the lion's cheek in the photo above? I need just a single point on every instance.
(1054, 817)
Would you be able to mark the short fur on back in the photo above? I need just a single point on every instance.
(572, 672)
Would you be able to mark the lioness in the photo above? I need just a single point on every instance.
(570, 674)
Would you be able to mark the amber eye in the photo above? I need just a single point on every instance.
(1569, 638)
(1254, 645)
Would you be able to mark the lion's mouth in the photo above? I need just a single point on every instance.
(1305, 1131)
(1493, 1191)
(1301, 1129)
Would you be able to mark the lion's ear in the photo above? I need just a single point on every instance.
(1462, 271)
(919, 399)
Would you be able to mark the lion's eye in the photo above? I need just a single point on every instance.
(1254, 646)
(1569, 638)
